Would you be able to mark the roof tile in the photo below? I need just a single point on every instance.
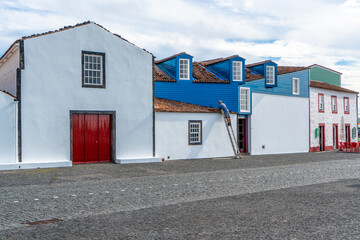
(317, 84)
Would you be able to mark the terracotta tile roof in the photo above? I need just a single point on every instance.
(8, 94)
(171, 57)
(257, 64)
(166, 105)
(317, 84)
(217, 60)
(67, 28)
(249, 76)
(161, 76)
(202, 75)
(289, 69)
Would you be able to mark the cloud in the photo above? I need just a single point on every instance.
(289, 32)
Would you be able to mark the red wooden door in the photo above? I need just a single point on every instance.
(91, 138)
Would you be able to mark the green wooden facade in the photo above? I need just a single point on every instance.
(325, 75)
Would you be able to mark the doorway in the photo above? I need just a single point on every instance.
(91, 137)
(242, 135)
(347, 133)
(335, 136)
(322, 136)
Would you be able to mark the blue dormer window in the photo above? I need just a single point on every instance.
(237, 70)
(270, 75)
(184, 69)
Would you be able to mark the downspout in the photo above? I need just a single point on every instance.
(309, 112)
(16, 130)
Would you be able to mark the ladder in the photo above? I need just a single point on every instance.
(231, 136)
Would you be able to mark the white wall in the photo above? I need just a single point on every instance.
(8, 73)
(7, 129)
(328, 117)
(281, 123)
(172, 136)
(52, 86)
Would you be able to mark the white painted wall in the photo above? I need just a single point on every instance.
(52, 86)
(172, 136)
(281, 123)
(8, 73)
(7, 129)
(328, 117)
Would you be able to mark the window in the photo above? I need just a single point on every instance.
(244, 99)
(184, 69)
(296, 86)
(237, 70)
(346, 105)
(321, 102)
(93, 69)
(270, 75)
(334, 104)
(195, 132)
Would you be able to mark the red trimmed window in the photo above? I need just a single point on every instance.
(321, 102)
(346, 105)
(334, 104)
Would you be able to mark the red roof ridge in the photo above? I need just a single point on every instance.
(171, 57)
(216, 60)
(7, 93)
(258, 63)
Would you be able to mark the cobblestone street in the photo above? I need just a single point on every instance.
(313, 195)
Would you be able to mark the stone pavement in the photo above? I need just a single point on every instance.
(97, 190)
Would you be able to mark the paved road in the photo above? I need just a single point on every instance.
(299, 196)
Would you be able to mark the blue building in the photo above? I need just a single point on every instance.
(271, 101)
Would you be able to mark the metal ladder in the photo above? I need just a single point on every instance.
(231, 136)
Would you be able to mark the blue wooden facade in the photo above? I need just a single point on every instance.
(208, 94)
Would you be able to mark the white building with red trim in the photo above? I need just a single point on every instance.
(333, 116)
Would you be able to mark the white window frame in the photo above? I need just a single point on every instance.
(237, 70)
(187, 69)
(195, 132)
(270, 75)
(333, 104)
(245, 109)
(93, 72)
(346, 105)
(296, 86)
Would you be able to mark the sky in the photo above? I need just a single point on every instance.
(291, 33)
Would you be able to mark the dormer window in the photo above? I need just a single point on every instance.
(270, 75)
(237, 70)
(184, 67)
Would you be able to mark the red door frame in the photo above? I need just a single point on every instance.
(112, 114)
(323, 136)
(337, 135)
(347, 132)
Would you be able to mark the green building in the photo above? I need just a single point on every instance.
(324, 74)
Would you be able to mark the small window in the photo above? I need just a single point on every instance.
(321, 102)
(334, 104)
(93, 69)
(184, 69)
(296, 86)
(195, 132)
(237, 70)
(270, 75)
(244, 99)
(346, 105)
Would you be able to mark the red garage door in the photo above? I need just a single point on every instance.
(91, 138)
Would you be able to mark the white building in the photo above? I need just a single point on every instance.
(79, 94)
(333, 116)
(189, 131)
